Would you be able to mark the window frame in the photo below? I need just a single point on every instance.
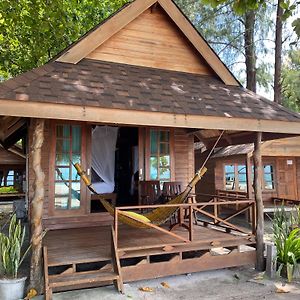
(273, 177)
(236, 175)
(52, 163)
(148, 153)
(236, 179)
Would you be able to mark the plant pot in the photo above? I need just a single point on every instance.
(296, 273)
(12, 289)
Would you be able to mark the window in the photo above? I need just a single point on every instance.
(242, 178)
(160, 155)
(235, 177)
(66, 180)
(229, 177)
(10, 178)
(269, 177)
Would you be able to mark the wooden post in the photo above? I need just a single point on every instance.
(36, 275)
(248, 176)
(249, 186)
(259, 203)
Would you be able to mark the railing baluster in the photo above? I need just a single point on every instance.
(215, 210)
(191, 223)
(253, 217)
(116, 225)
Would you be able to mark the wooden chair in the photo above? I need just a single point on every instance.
(149, 191)
(171, 189)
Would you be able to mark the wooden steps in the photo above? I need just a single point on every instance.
(63, 280)
(72, 276)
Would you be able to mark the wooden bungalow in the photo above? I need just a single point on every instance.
(281, 171)
(149, 73)
(12, 173)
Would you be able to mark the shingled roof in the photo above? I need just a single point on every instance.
(112, 85)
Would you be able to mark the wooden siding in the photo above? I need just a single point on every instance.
(286, 177)
(8, 158)
(207, 183)
(298, 175)
(184, 156)
(184, 171)
(282, 147)
(152, 40)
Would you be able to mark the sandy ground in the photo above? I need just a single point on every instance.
(233, 284)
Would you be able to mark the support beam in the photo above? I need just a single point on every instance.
(259, 202)
(249, 176)
(36, 277)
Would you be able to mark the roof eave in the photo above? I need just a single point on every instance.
(141, 118)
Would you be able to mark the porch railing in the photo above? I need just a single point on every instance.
(194, 211)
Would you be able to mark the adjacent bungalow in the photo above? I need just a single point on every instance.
(126, 102)
(281, 171)
(12, 173)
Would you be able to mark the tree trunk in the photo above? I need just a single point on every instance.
(259, 203)
(278, 54)
(250, 50)
(36, 275)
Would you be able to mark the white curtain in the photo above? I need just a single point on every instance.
(104, 139)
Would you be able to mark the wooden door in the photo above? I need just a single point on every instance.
(286, 178)
(68, 193)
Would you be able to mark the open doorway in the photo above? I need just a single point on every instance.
(126, 170)
(114, 168)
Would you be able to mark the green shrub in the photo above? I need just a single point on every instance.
(7, 190)
(11, 248)
(287, 240)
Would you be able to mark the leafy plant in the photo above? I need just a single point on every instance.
(288, 252)
(7, 190)
(11, 248)
(287, 240)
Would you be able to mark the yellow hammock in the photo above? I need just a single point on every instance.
(157, 216)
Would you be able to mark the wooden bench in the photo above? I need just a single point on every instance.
(277, 202)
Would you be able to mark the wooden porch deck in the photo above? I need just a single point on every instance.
(147, 253)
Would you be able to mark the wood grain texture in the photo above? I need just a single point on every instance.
(184, 167)
(258, 167)
(99, 35)
(281, 147)
(141, 118)
(37, 207)
(86, 245)
(152, 40)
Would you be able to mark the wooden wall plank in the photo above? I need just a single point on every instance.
(184, 156)
(152, 40)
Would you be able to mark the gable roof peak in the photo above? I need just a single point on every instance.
(102, 32)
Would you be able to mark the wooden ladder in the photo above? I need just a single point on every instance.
(71, 278)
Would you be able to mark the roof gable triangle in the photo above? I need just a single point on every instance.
(101, 33)
(153, 40)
